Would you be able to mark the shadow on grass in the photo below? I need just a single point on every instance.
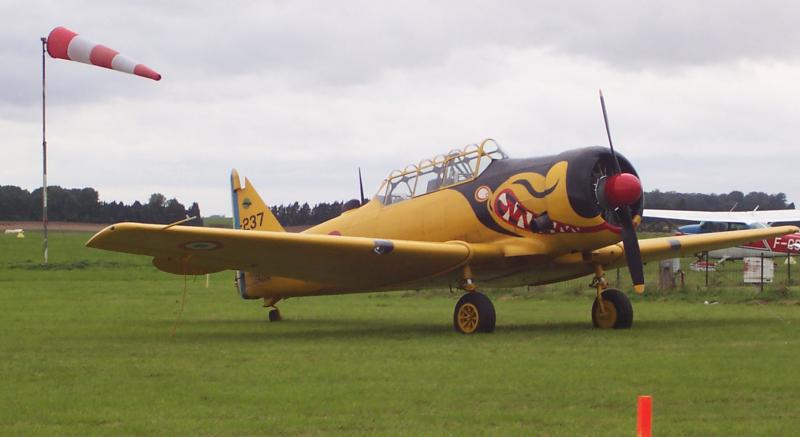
(324, 328)
(767, 320)
(310, 329)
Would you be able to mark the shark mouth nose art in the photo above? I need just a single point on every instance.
(508, 208)
(511, 211)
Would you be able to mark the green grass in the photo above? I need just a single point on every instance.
(217, 221)
(86, 349)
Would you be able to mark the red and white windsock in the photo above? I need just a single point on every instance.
(65, 44)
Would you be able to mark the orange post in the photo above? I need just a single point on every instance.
(644, 422)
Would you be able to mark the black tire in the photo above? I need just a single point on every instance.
(474, 312)
(618, 311)
(275, 315)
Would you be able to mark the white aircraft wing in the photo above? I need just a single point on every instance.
(773, 216)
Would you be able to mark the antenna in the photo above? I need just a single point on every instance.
(361, 200)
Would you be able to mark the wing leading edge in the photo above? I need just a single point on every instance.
(346, 262)
(682, 245)
(358, 263)
(773, 216)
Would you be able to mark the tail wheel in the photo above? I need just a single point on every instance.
(616, 313)
(275, 315)
(474, 312)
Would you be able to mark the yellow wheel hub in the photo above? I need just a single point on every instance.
(607, 316)
(468, 318)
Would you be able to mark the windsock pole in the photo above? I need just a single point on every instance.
(44, 152)
(63, 43)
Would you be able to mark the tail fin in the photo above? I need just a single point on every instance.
(249, 210)
(249, 213)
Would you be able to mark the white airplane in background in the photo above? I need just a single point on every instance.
(718, 221)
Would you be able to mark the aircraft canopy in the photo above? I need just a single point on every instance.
(454, 167)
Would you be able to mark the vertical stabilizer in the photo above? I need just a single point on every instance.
(249, 210)
(249, 213)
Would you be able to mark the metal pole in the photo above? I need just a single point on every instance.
(788, 266)
(706, 269)
(44, 154)
(762, 273)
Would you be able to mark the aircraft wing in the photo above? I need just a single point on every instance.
(773, 216)
(346, 262)
(682, 245)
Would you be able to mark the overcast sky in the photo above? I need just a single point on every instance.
(702, 96)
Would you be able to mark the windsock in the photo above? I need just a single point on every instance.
(65, 44)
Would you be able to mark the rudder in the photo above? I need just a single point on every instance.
(249, 210)
(249, 213)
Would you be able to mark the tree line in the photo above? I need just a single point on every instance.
(735, 200)
(295, 214)
(84, 205)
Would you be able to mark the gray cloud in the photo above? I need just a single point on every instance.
(349, 43)
(298, 94)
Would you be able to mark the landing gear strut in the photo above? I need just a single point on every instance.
(474, 312)
(611, 309)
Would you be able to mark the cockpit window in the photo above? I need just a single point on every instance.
(401, 186)
(457, 166)
(430, 176)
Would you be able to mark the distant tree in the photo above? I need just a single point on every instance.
(15, 203)
(194, 211)
(83, 205)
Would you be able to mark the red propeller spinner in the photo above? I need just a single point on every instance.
(622, 189)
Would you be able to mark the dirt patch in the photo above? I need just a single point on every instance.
(53, 226)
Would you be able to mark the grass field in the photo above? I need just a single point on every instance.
(86, 349)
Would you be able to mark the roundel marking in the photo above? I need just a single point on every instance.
(202, 245)
(246, 203)
(382, 247)
(483, 193)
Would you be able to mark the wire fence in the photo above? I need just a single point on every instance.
(754, 274)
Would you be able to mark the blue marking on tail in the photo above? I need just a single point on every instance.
(240, 283)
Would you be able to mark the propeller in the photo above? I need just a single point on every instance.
(618, 192)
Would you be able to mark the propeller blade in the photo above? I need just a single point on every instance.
(361, 186)
(608, 133)
(624, 189)
(633, 255)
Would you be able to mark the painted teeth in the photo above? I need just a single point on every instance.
(521, 222)
(507, 215)
(529, 216)
(504, 199)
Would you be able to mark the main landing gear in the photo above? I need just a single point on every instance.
(474, 312)
(611, 309)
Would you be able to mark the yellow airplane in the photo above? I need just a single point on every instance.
(467, 218)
